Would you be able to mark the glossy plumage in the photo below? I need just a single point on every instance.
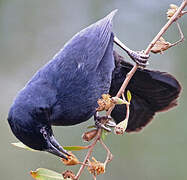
(152, 91)
(65, 91)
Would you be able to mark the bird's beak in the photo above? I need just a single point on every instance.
(55, 148)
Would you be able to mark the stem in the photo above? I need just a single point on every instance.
(184, 12)
(181, 36)
(166, 26)
(88, 154)
(109, 154)
(128, 111)
(123, 87)
(127, 79)
(148, 49)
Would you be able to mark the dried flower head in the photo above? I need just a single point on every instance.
(68, 174)
(173, 6)
(160, 46)
(72, 160)
(95, 167)
(105, 103)
(172, 11)
(88, 136)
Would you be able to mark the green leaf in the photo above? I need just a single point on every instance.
(92, 126)
(119, 100)
(23, 146)
(129, 96)
(104, 134)
(46, 174)
(74, 148)
(68, 148)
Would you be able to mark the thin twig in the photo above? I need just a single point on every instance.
(124, 85)
(88, 154)
(166, 26)
(81, 163)
(127, 111)
(109, 154)
(184, 12)
(181, 36)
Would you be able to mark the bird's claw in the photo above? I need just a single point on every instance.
(104, 122)
(139, 57)
(111, 123)
(102, 126)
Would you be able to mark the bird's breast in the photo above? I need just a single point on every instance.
(78, 101)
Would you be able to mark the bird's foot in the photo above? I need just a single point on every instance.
(139, 57)
(104, 122)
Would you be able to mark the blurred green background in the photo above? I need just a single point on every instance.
(31, 32)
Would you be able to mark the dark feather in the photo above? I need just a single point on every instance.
(152, 91)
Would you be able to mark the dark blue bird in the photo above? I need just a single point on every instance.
(65, 91)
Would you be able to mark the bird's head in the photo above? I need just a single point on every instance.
(32, 127)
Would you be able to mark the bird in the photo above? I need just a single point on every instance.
(65, 91)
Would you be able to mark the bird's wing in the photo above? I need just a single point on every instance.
(88, 46)
(152, 91)
(97, 38)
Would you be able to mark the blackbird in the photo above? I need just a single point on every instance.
(65, 91)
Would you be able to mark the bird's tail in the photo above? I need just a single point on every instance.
(152, 91)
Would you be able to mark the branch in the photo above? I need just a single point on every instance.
(91, 147)
(148, 49)
(121, 91)
(166, 26)
(181, 36)
(109, 154)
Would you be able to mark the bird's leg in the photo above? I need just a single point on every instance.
(138, 57)
(104, 122)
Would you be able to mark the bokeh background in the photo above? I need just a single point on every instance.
(31, 32)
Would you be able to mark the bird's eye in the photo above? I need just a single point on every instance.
(45, 135)
(43, 132)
